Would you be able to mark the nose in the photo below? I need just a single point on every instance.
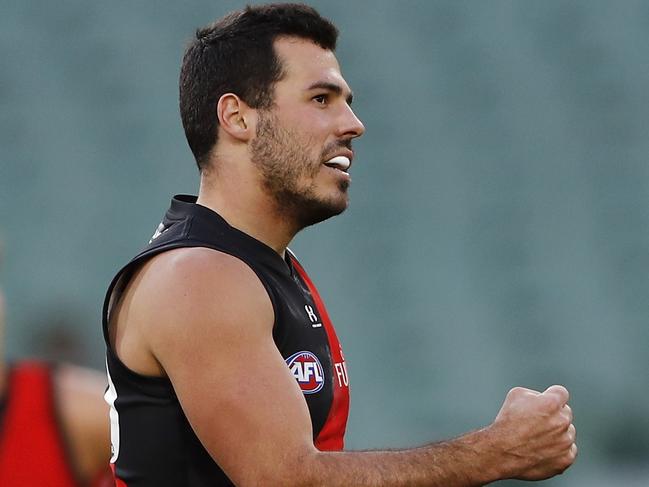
(350, 125)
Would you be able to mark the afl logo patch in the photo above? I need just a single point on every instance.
(307, 371)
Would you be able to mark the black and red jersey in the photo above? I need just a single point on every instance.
(33, 450)
(152, 441)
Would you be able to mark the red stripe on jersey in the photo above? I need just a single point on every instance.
(118, 482)
(332, 434)
(32, 449)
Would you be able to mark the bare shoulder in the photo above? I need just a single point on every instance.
(184, 296)
(196, 271)
(198, 282)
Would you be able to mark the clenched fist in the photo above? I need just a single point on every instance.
(534, 433)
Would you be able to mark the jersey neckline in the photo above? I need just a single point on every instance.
(184, 204)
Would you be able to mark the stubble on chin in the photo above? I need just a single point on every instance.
(282, 157)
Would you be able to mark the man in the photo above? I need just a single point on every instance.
(53, 426)
(223, 365)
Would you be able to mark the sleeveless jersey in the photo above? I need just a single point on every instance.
(32, 448)
(152, 441)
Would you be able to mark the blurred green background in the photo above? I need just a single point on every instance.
(499, 228)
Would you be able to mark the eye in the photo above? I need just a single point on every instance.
(321, 99)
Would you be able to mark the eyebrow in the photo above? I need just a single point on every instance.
(333, 87)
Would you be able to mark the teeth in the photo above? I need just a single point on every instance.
(340, 161)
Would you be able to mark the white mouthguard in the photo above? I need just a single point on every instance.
(341, 161)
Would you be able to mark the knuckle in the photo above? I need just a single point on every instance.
(515, 391)
(565, 462)
(567, 410)
(566, 443)
(558, 404)
(564, 422)
(558, 467)
(560, 392)
(516, 394)
(549, 403)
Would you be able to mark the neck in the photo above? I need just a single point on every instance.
(247, 208)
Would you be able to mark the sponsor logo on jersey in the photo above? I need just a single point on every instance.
(158, 231)
(315, 322)
(341, 374)
(341, 370)
(307, 370)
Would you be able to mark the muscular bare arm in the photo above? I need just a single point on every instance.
(204, 319)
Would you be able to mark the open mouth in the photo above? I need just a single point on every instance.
(341, 163)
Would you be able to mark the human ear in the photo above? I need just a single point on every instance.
(234, 115)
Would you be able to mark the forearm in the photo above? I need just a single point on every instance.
(532, 438)
(466, 461)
